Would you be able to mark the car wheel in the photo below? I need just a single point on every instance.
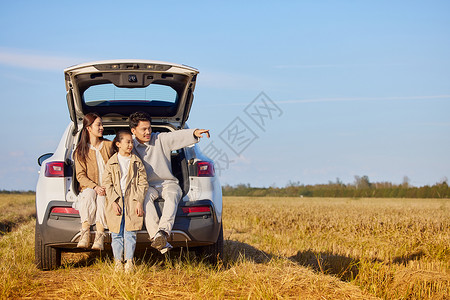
(46, 257)
(212, 253)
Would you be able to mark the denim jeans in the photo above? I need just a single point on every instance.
(124, 241)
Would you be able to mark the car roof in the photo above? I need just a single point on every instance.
(119, 61)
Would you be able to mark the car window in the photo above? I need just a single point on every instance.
(107, 94)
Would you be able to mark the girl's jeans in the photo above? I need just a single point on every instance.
(124, 240)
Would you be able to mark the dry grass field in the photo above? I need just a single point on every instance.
(15, 209)
(305, 248)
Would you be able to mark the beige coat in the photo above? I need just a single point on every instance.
(136, 188)
(87, 173)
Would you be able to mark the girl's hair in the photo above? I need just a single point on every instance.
(119, 137)
(82, 150)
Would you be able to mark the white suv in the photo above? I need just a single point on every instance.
(114, 89)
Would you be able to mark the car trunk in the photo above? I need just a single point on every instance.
(118, 88)
(114, 89)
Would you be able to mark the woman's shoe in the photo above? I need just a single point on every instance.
(99, 240)
(84, 238)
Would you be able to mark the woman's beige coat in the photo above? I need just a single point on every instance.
(87, 173)
(136, 188)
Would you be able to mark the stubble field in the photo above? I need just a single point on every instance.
(305, 248)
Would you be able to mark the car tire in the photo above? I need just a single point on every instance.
(46, 257)
(212, 254)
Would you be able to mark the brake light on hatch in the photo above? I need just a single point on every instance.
(196, 209)
(64, 210)
(54, 169)
(205, 169)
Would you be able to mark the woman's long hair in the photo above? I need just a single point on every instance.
(82, 150)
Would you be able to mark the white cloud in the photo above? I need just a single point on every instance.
(348, 99)
(16, 154)
(293, 66)
(308, 66)
(25, 59)
(436, 124)
(242, 159)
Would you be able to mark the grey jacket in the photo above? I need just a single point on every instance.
(156, 153)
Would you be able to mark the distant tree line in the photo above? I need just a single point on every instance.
(16, 192)
(362, 187)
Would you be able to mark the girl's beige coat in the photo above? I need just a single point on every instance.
(136, 188)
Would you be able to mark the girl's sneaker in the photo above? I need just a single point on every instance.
(118, 266)
(129, 266)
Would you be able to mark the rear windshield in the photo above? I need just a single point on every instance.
(108, 94)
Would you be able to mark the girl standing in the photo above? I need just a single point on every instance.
(90, 156)
(126, 184)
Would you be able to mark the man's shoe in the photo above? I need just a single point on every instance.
(129, 266)
(166, 248)
(159, 240)
(84, 238)
(99, 241)
(118, 266)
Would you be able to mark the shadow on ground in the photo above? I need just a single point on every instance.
(7, 226)
(235, 251)
(343, 267)
(404, 260)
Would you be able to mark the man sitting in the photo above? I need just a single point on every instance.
(155, 150)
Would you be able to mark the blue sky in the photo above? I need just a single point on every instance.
(361, 87)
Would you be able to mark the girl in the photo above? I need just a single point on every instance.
(90, 156)
(126, 184)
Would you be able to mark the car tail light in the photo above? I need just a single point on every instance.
(64, 210)
(205, 169)
(54, 169)
(196, 209)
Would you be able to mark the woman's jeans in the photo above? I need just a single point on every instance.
(124, 240)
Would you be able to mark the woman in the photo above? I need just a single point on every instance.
(91, 155)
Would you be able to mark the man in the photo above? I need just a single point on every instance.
(155, 150)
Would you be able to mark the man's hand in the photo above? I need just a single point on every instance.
(198, 133)
(117, 209)
(139, 209)
(101, 191)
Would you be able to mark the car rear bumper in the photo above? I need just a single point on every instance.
(189, 230)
